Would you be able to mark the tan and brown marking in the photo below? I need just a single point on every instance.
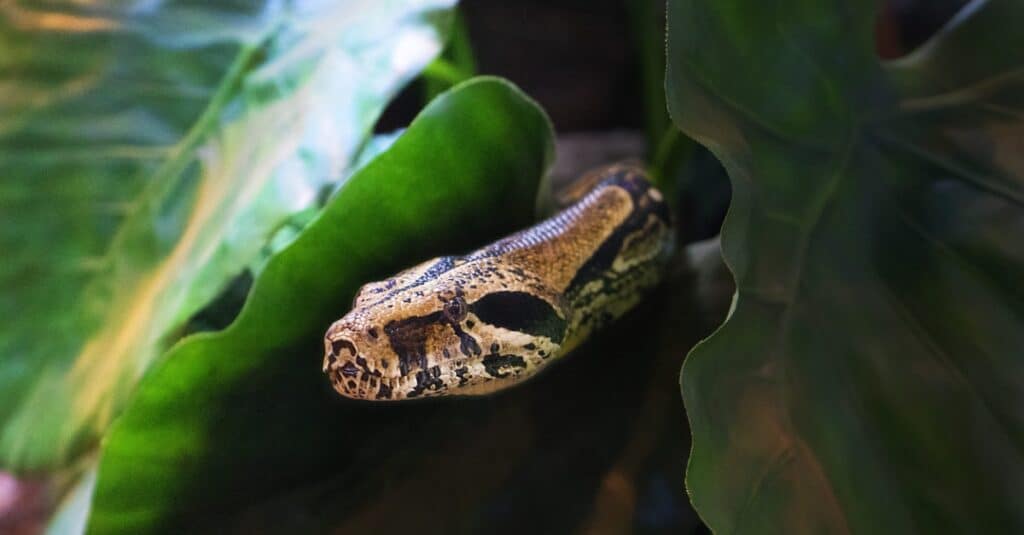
(478, 323)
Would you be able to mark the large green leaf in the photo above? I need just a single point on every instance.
(149, 153)
(575, 450)
(245, 413)
(871, 374)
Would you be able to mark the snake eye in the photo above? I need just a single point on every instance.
(455, 309)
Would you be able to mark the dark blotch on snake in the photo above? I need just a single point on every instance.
(522, 312)
(494, 364)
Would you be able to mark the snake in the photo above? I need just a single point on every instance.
(482, 322)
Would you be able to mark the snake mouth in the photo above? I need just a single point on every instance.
(353, 379)
(351, 374)
(356, 381)
(352, 382)
(466, 377)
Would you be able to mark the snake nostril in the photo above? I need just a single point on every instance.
(349, 370)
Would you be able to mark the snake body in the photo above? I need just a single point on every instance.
(474, 324)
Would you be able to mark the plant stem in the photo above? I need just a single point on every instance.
(647, 27)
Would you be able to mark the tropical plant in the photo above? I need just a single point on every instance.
(868, 375)
(195, 191)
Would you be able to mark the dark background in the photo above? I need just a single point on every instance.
(579, 58)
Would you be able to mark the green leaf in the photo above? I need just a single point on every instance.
(245, 413)
(455, 64)
(870, 376)
(605, 447)
(149, 153)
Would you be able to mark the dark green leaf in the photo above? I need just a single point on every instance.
(242, 414)
(148, 154)
(605, 447)
(870, 376)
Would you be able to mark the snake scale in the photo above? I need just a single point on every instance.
(474, 324)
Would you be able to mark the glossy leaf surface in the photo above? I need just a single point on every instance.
(150, 151)
(870, 377)
(245, 414)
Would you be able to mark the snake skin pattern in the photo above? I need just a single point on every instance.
(474, 324)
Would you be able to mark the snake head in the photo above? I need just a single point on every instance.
(475, 324)
(447, 326)
(353, 374)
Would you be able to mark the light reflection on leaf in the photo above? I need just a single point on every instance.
(154, 151)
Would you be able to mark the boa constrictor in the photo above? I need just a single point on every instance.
(474, 324)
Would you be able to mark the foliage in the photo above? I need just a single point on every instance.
(172, 161)
(869, 378)
(222, 407)
(154, 152)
